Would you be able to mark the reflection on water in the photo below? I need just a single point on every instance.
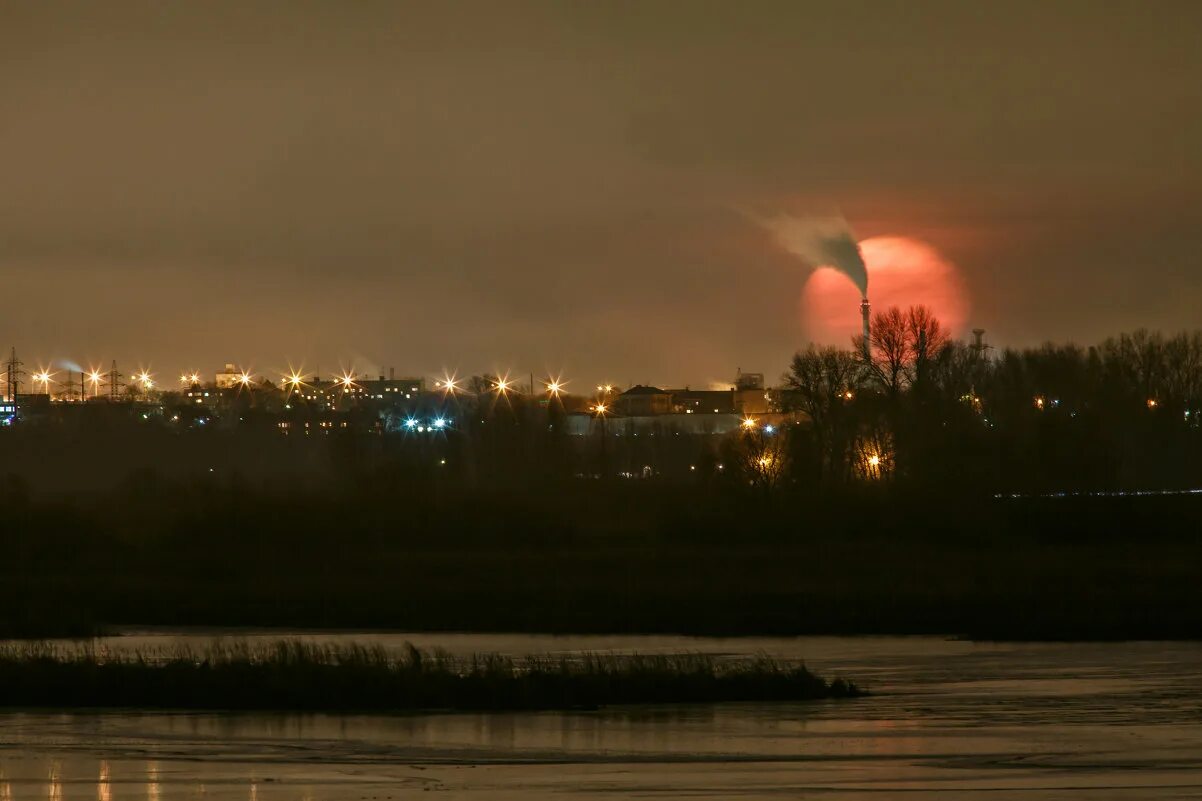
(55, 784)
(152, 781)
(104, 790)
(1034, 721)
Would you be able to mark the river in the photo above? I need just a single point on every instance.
(946, 719)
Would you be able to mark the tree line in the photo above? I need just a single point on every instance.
(913, 406)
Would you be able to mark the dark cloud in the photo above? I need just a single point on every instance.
(550, 184)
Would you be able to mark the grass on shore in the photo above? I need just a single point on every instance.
(295, 675)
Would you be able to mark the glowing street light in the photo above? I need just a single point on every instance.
(448, 384)
(244, 379)
(503, 385)
(95, 377)
(43, 378)
(347, 381)
(600, 408)
(749, 423)
(874, 460)
(554, 386)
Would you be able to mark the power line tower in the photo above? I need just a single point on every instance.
(12, 374)
(978, 343)
(115, 383)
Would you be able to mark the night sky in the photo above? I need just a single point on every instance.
(558, 186)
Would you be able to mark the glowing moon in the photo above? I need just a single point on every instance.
(901, 272)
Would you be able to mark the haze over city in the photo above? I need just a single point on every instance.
(557, 186)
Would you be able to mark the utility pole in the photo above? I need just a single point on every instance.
(13, 373)
(115, 383)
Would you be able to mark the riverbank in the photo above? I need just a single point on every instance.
(607, 559)
(304, 676)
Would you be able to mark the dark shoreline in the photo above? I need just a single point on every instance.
(608, 560)
(297, 676)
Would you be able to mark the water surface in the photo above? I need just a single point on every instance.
(947, 719)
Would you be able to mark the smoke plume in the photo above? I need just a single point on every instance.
(821, 242)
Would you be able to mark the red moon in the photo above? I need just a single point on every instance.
(901, 272)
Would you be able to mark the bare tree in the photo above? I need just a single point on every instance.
(822, 383)
(889, 352)
(926, 339)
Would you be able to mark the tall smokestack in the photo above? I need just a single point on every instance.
(865, 312)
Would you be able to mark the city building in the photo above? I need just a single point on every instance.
(642, 400)
(228, 378)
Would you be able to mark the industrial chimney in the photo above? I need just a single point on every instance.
(865, 311)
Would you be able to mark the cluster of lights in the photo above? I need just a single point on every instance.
(437, 424)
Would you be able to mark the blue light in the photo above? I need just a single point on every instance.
(768, 429)
(440, 423)
(411, 422)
